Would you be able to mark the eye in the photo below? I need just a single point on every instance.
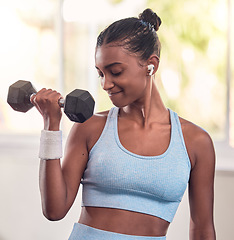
(116, 74)
(100, 74)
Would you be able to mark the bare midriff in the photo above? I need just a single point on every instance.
(124, 222)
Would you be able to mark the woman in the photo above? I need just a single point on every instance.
(134, 161)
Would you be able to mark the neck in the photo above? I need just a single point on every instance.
(148, 109)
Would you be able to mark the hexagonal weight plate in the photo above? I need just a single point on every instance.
(79, 105)
(19, 95)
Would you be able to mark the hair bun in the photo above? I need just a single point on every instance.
(150, 17)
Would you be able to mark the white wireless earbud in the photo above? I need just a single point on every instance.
(151, 69)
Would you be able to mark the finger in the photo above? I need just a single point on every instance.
(49, 92)
(32, 98)
(42, 91)
(54, 96)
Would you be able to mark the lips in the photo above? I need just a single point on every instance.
(114, 93)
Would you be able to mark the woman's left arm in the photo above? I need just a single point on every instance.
(201, 188)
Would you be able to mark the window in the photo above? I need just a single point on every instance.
(56, 50)
(28, 51)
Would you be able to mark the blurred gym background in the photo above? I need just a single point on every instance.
(51, 43)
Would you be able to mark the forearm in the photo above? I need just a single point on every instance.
(53, 190)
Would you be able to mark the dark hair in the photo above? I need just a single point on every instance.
(137, 35)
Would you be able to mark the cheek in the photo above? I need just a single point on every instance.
(138, 82)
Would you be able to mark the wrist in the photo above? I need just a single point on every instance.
(50, 145)
(50, 125)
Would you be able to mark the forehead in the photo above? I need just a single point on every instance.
(107, 54)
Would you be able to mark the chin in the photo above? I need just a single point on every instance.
(119, 105)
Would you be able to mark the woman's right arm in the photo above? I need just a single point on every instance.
(59, 184)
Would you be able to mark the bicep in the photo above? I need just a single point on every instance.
(75, 160)
(201, 184)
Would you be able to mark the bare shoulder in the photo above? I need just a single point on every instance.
(96, 121)
(193, 131)
(90, 130)
(198, 141)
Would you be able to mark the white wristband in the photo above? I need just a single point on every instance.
(51, 145)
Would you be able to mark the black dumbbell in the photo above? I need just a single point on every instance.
(78, 105)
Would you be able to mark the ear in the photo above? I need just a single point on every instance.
(153, 63)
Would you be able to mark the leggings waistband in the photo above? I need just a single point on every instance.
(84, 232)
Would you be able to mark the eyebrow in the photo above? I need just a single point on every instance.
(110, 65)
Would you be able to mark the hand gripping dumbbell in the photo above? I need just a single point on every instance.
(78, 105)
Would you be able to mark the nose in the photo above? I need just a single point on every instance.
(107, 83)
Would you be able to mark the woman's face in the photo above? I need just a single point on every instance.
(121, 74)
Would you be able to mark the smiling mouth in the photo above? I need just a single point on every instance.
(113, 93)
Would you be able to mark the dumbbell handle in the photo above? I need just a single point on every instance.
(61, 100)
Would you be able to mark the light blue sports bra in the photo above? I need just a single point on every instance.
(117, 178)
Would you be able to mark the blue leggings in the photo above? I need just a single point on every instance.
(84, 232)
